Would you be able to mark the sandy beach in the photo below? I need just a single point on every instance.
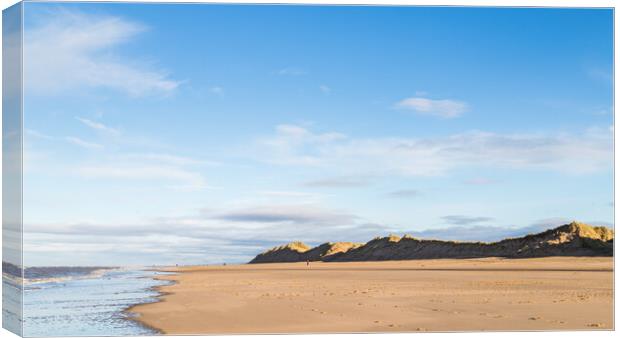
(556, 293)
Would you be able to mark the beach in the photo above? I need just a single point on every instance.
(492, 294)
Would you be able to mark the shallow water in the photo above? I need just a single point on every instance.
(11, 304)
(89, 305)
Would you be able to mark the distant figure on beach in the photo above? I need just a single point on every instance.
(308, 262)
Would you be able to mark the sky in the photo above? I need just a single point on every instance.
(204, 134)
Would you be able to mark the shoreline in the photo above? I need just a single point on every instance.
(252, 291)
(134, 316)
(99, 304)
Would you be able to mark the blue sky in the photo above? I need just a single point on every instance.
(159, 134)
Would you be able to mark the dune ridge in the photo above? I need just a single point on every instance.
(573, 239)
(300, 252)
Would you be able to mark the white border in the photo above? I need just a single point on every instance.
(488, 3)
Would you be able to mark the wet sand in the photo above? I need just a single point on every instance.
(557, 293)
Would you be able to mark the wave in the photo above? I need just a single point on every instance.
(63, 274)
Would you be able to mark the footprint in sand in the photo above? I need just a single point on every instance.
(596, 325)
(534, 318)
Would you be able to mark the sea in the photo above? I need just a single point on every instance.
(82, 301)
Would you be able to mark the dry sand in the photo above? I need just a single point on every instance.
(558, 293)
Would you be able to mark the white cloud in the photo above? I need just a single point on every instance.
(480, 181)
(577, 153)
(174, 160)
(97, 125)
(114, 163)
(339, 182)
(404, 193)
(292, 71)
(37, 134)
(289, 194)
(219, 91)
(294, 144)
(475, 233)
(82, 143)
(602, 111)
(325, 89)
(71, 50)
(293, 214)
(439, 108)
(178, 178)
(601, 74)
(171, 171)
(466, 220)
(233, 235)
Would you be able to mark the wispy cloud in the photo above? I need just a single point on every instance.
(97, 125)
(231, 236)
(219, 91)
(325, 89)
(480, 181)
(556, 152)
(71, 49)
(168, 159)
(292, 71)
(482, 233)
(339, 182)
(293, 144)
(601, 74)
(128, 159)
(466, 220)
(37, 134)
(289, 194)
(288, 214)
(470, 231)
(234, 235)
(82, 143)
(174, 177)
(602, 111)
(404, 193)
(171, 171)
(440, 108)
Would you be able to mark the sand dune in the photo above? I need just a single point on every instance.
(555, 293)
(573, 239)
